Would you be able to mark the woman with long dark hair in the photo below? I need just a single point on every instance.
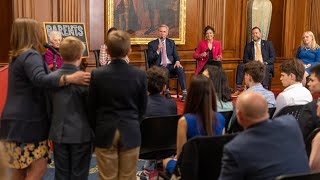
(220, 82)
(200, 117)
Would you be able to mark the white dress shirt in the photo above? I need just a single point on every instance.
(294, 94)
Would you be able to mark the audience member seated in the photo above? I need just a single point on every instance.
(55, 41)
(117, 104)
(208, 52)
(254, 73)
(292, 72)
(70, 130)
(314, 160)
(263, 151)
(310, 121)
(200, 117)
(163, 52)
(104, 57)
(309, 51)
(256, 50)
(220, 81)
(157, 104)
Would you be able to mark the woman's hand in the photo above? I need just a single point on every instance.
(79, 78)
(219, 57)
(204, 54)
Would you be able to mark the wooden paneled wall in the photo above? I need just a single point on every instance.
(290, 18)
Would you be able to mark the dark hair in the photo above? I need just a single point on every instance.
(294, 66)
(220, 82)
(316, 70)
(201, 100)
(208, 28)
(111, 29)
(256, 28)
(256, 70)
(157, 79)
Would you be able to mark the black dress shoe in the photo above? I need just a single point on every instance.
(183, 99)
(168, 96)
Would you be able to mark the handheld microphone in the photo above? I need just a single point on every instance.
(207, 50)
(46, 45)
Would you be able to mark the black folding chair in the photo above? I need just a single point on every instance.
(306, 176)
(97, 56)
(201, 158)
(158, 137)
(295, 111)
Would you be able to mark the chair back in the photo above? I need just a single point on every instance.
(97, 57)
(227, 115)
(295, 111)
(146, 63)
(201, 157)
(271, 111)
(306, 176)
(159, 136)
(308, 141)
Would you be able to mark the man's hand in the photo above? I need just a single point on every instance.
(177, 65)
(79, 78)
(160, 46)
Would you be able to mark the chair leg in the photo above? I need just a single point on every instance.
(177, 86)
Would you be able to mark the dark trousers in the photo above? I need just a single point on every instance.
(72, 161)
(240, 74)
(171, 71)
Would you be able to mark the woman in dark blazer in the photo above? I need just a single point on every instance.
(26, 118)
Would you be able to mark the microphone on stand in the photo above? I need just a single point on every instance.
(55, 52)
(46, 45)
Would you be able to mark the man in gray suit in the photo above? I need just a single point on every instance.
(267, 148)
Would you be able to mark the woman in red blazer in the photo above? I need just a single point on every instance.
(209, 51)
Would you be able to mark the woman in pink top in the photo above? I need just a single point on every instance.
(208, 52)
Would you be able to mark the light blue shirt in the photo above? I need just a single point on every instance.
(266, 93)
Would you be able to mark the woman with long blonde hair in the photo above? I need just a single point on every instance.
(309, 51)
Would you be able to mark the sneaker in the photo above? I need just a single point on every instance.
(236, 94)
(143, 175)
(183, 99)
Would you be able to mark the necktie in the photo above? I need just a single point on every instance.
(258, 52)
(164, 55)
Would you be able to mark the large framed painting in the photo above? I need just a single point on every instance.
(141, 18)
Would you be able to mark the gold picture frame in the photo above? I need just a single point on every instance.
(142, 17)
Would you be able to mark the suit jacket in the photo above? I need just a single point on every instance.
(267, 51)
(117, 100)
(155, 59)
(310, 121)
(160, 106)
(265, 151)
(26, 116)
(203, 47)
(70, 123)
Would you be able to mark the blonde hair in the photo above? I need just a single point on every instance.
(71, 49)
(26, 34)
(314, 44)
(118, 43)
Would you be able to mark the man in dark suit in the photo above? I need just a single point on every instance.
(117, 103)
(263, 150)
(157, 104)
(256, 50)
(163, 52)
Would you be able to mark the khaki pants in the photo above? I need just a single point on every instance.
(116, 162)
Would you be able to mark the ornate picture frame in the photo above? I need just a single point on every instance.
(140, 18)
